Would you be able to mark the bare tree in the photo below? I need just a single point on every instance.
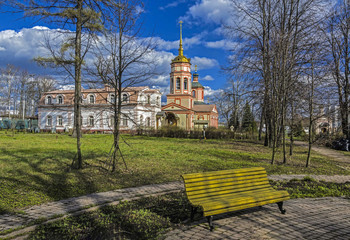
(124, 60)
(337, 31)
(276, 36)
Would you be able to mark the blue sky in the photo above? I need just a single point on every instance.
(204, 41)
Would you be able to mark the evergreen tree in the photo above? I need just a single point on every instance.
(248, 123)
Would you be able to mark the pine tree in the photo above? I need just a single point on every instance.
(248, 123)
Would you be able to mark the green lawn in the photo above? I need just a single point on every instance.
(36, 168)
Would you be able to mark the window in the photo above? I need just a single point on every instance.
(185, 83)
(125, 120)
(112, 98)
(158, 101)
(194, 93)
(111, 121)
(141, 120)
(49, 121)
(81, 120)
(91, 121)
(178, 83)
(60, 121)
(125, 97)
(49, 100)
(148, 122)
(171, 85)
(60, 100)
(149, 99)
(91, 99)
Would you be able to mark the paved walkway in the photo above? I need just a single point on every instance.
(63, 207)
(336, 155)
(320, 218)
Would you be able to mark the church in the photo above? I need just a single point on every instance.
(185, 106)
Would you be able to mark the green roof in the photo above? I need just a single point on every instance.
(196, 85)
(199, 103)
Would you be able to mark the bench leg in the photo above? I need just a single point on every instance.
(193, 212)
(210, 221)
(280, 206)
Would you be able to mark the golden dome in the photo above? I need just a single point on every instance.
(181, 57)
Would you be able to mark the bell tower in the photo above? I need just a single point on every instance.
(180, 79)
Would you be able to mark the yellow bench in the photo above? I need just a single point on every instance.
(230, 190)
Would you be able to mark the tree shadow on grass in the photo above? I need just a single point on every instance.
(38, 179)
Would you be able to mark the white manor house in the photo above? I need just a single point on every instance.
(140, 106)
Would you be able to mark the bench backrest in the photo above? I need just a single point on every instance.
(207, 184)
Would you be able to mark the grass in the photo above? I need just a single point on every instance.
(149, 218)
(35, 168)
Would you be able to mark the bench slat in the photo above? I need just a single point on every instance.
(223, 183)
(208, 174)
(244, 206)
(238, 198)
(223, 176)
(220, 192)
(260, 177)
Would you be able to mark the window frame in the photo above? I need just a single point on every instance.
(91, 96)
(60, 99)
(178, 83)
(49, 100)
(49, 120)
(91, 121)
(59, 119)
(125, 98)
(185, 84)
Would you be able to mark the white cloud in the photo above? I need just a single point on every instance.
(20, 47)
(223, 44)
(204, 63)
(160, 80)
(207, 78)
(172, 4)
(66, 87)
(210, 11)
(209, 92)
(187, 42)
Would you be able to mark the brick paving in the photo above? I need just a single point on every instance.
(317, 218)
(66, 206)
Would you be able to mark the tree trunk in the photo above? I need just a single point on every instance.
(77, 92)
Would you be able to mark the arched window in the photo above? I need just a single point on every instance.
(194, 93)
(148, 99)
(92, 99)
(125, 98)
(111, 121)
(112, 98)
(158, 101)
(91, 121)
(49, 100)
(141, 120)
(60, 121)
(148, 122)
(185, 83)
(60, 100)
(171, 85)
(178, 83)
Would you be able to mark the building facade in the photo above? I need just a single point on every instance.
(140, 106)
(185, 106)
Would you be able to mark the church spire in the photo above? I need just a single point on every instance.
(181, 58)
(181, 50)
